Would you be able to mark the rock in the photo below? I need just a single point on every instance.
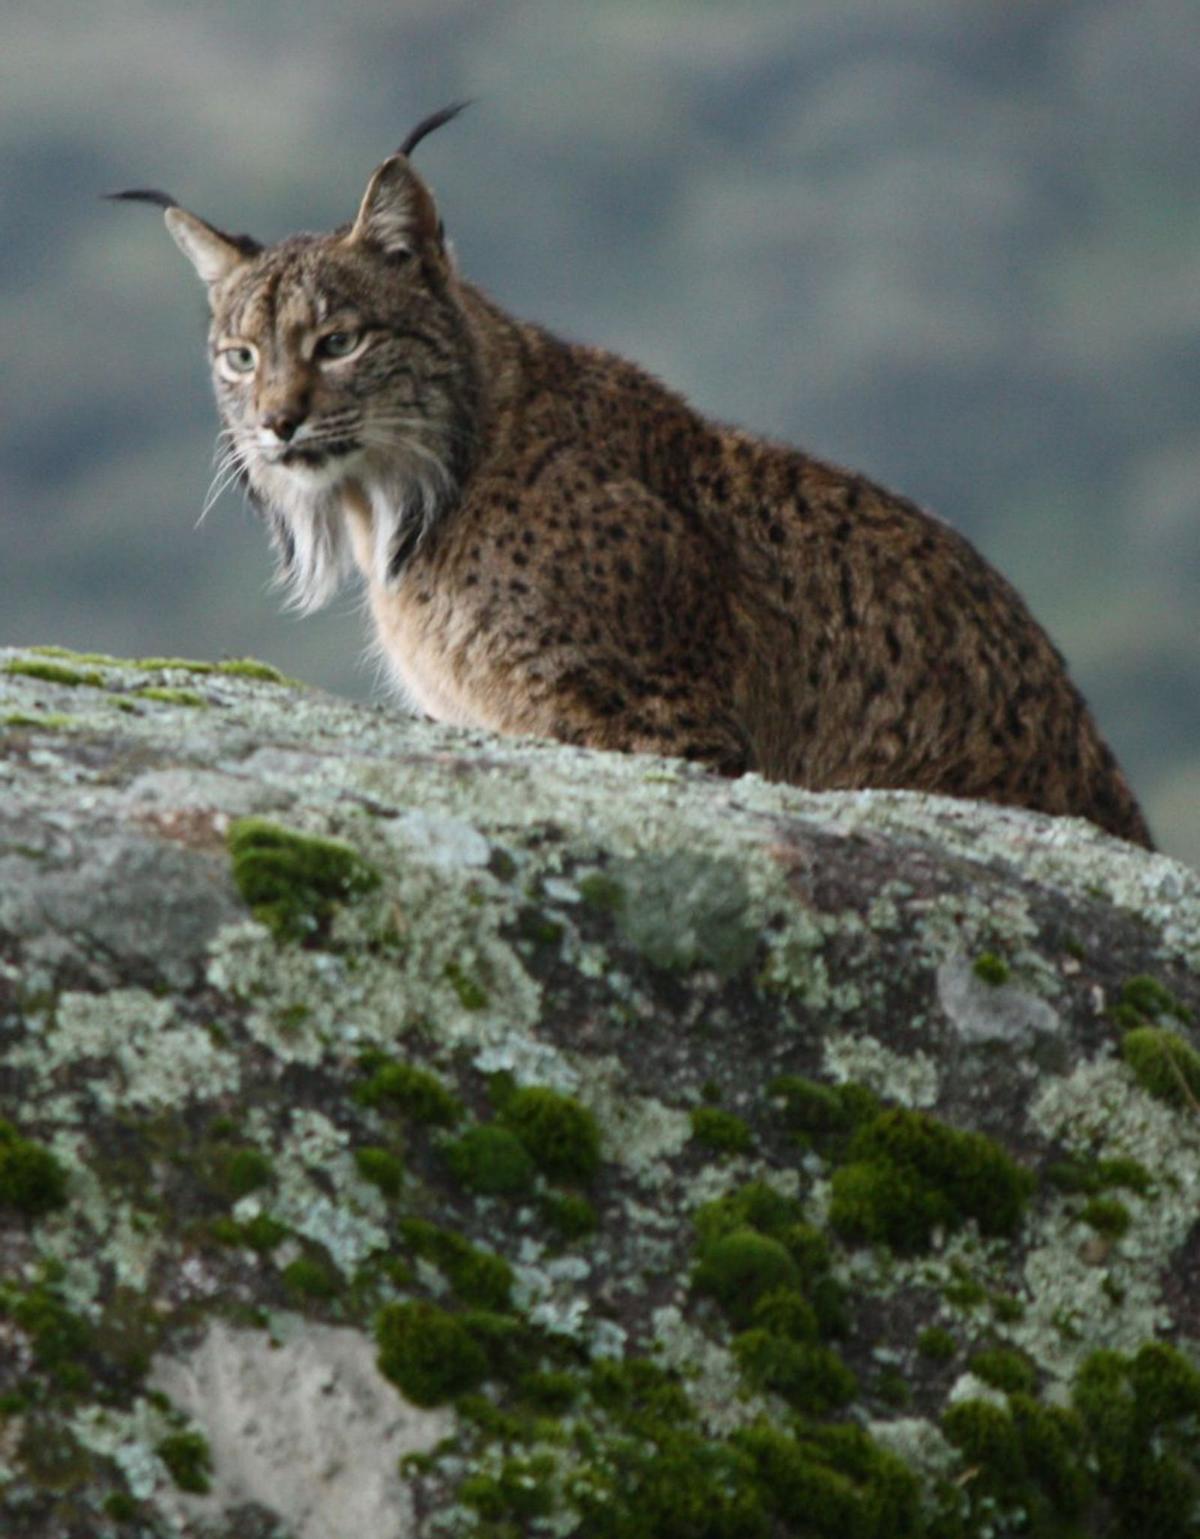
(409, 1131)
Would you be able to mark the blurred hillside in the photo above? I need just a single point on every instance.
(954, 243)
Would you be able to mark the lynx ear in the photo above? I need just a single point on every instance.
(397, 213)
(213, 255)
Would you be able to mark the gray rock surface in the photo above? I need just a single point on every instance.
(189, 1331)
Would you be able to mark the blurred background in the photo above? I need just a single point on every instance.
(954, 244)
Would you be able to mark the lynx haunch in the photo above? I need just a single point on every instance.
(552, 542)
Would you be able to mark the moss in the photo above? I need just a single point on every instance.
(1145, 1000)
(61, 1340)
(251, 668)
(1004, 1369)
(428, 1353)
(293, 881)
(261, 1233)
(66, 654)
(51, 721)
(740, 1267)
(721, 1130)
(560, 1134)
(811, 1378)
(909, 1174)
(833, 1482)
(32, 1180)
(1164, 1064)
(479, 1277)
(521, 1491)
(244, 1170)
(654, 1473)
(174, 664)
(571, 1216)
(991, 969)
(937, 1344)
(1089, 1177)
(1107, 1215)
(189, 1461)
(549, 1392)
(408, 1089)
(166, 696)
(893, 1389)
(470, 994)
(491, 1160)
(601, 892)
(310, 1277)
(786, 1312)
(381, 1167)
(55, 673)
(1142, 1414)
(121, 1507)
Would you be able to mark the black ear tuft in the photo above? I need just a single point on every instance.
(427, 126)
(143, 195)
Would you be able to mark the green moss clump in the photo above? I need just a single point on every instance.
(811, 1378)
(1164, 1064)
(174, 664)
(381, 1167)
(293, 881)
(66, 654)
(244, 1171)
(309, 1277)
(1144, 1000)
(471, 995)
(189, 1461)
(408, 1089)
(571, 1216)
(121, 1507)
(166, 696)
(251, 668)
(491, 1160)
(1092, 1176)
(521, 1491)
(479, 1277)
(429, 1354)
(561, 1134)
(261, 1233)
(61, 1340)
(602, 893)
(655, 1473)
(1143, 1416)
(833, 1483)
(937, 1344)
(721, 1130)
(1004, 1369)
(32, 1180)
(740, 1267)
(1108, 1216)
(55, 673)
(729, 1230)
(909, 1173)
(991, 969)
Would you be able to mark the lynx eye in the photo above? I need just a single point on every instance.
(338, 344)
(240, 358)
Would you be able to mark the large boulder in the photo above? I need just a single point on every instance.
(409, 1131)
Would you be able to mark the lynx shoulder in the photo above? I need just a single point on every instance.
(552, 542)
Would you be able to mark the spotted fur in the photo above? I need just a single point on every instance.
(553, 542)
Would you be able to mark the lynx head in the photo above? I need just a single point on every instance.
(340, 358)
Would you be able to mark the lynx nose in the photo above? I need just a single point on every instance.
(283, 423)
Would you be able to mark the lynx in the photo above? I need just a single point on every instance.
(553, 542)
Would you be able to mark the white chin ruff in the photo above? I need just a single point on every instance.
(308, 503)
